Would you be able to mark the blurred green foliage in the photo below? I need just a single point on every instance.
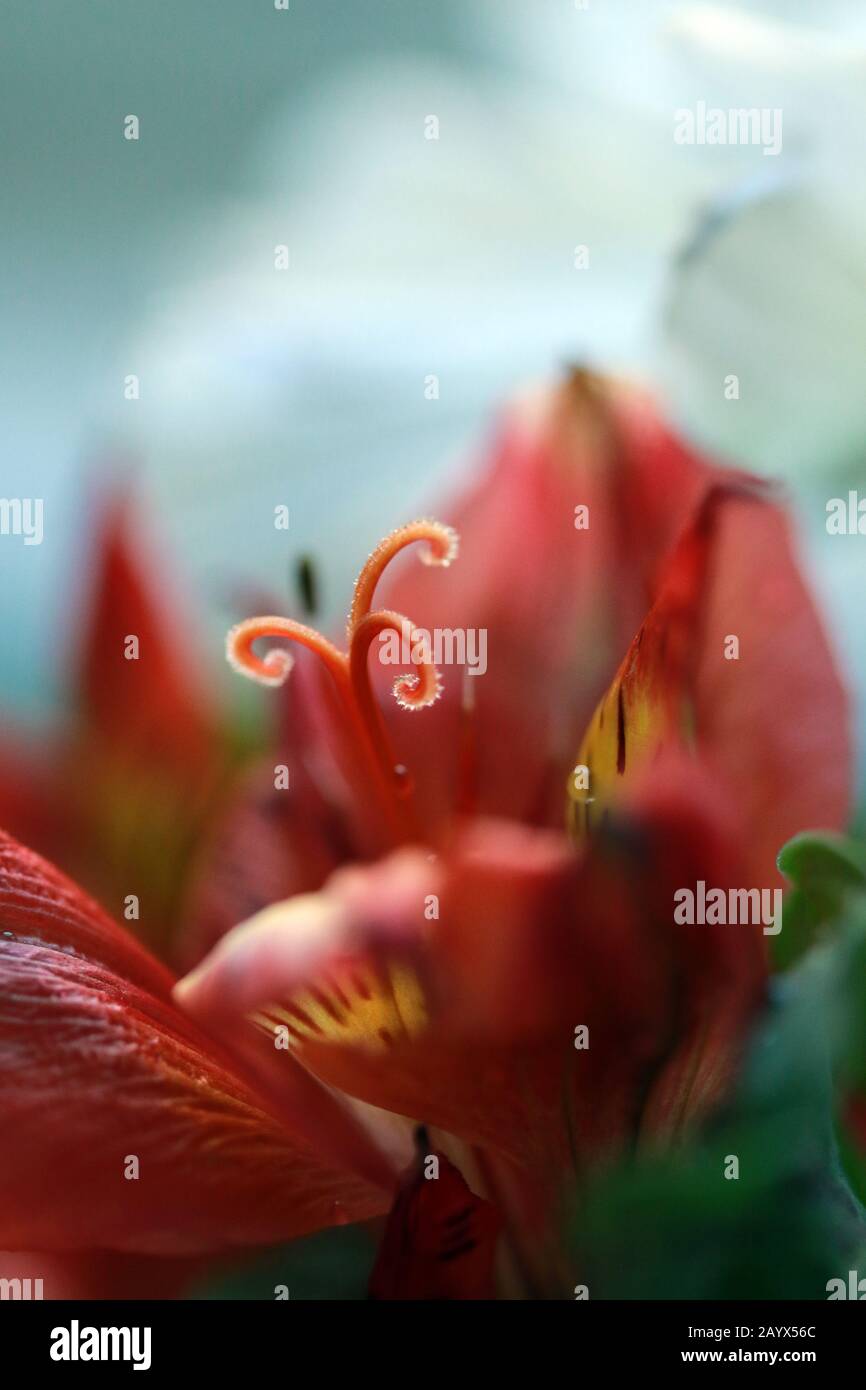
(333, 1264)
(673, 1225)
(825, 870)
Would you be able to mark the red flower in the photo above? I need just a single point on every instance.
(499, 957)
(449, 986)
(118, 793)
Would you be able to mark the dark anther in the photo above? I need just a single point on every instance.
(307, 583)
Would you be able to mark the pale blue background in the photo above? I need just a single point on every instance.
(407, 257)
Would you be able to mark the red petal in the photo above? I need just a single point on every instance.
(34, 804)
(466, 1019)
(268, 843)
(440, 1240)
(143, 761)
(759, 720)
(155, 705)
(96, 1065)
(559, 605)
(101, 1274)
(775, 723)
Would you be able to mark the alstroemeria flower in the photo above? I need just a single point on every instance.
(468, 941)
(128, 1129)
(118, 794)
(450, 981)
(470, 1019)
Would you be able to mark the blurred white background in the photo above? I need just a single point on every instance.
(408, 257)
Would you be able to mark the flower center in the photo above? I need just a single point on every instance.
(349, 670)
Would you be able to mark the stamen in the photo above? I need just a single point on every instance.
(389, 781)
(442, 545)
(274, 667)
(411, 692)
(415, 691)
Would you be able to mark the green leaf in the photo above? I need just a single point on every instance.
(826, 870)
(673, 1225)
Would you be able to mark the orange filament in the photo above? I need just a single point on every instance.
(349, 670)
(415, 691)
(411, 691)
(273, 668)
(442, 545)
